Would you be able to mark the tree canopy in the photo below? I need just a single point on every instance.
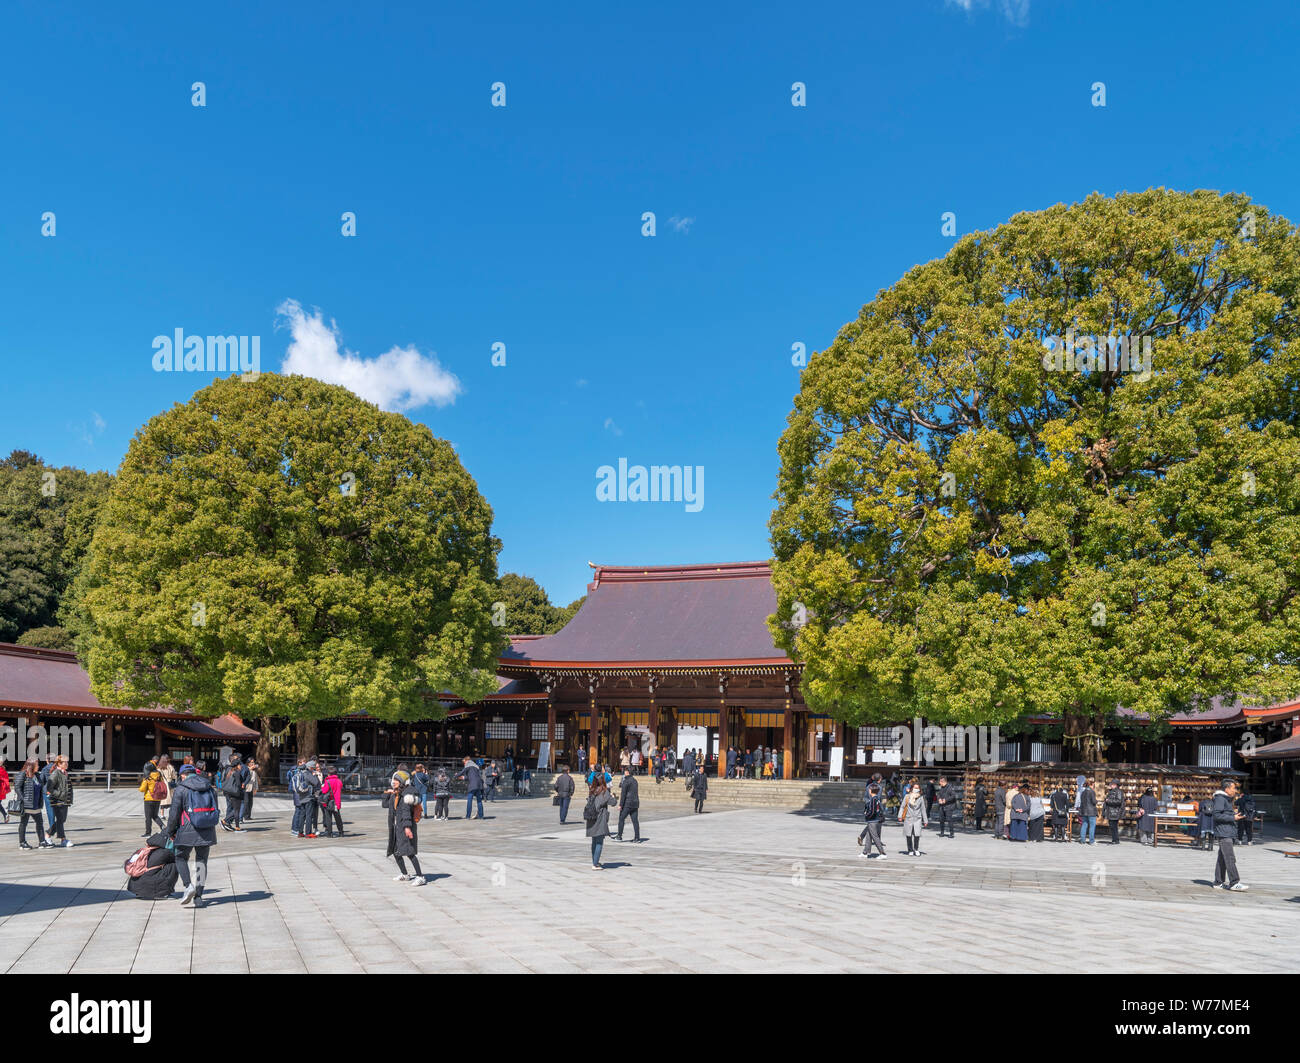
(46, 516)
(527, 609)
(280, 547)
(976, 521)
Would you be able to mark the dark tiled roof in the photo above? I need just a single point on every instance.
(663, 615)
(1286, 749)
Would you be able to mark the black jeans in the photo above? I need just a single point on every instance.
(247, 811)
(234, 805)
(22, 826)
(1114, 831)
(200, 866)
(60, 817)
(945, 818)
(564, 807)
(631, 814)
(331, 817)
(151, 816)
(440, 805)
(699, 804)
(1246, 830)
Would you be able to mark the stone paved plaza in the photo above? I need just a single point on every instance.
(731, 890)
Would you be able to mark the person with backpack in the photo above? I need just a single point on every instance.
(596, 816)
(31, 804)
(629, 805)
(1113, 808)
(306, 788)
(873, 812)
(151, 869)
(473, 776)
(1246, 825)
(59, 789)
(154, 790)
(232, 789)
(192, 829)
(698, 785)
(441, 794)
(332, 803)
(404, 812)
(299, 811)
(564, 791)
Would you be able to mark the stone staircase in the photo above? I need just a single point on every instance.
(807, 795)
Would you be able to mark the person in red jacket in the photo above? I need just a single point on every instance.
(4, 790)
(332, 789)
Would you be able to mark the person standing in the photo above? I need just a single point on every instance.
(1146, 825)
(582, 760)
(874, 813)
(1018, 809)
(1226, 818)
(596, 816)
(1246, 824)
(688, 763)
(441, 794)
(999, 808)
(629, 805)
(981, 806)
(44, 776)
(403, 842)
(946, 798)
(152, 789)
(59, 787)
(1088, 814)
(929, 796)
(311, 807)
(332, 805)
(232, 789)
(731, 762)
(473, 776)
(31, 804)
(420, 780)
(670, 762)
(1060, 802)
(913, 816)
(1205, 822)
(1113, 807)
(169, 776)
(1037, 816)
(4, 791)
(492, 776)
(564, 791)
(192, 828)
(624, 758)
(252, 783)
(699, 787)
(1012, 790)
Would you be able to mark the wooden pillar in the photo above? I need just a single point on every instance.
(787, 752)
(550, 732)
(722, 727)
(108, 745)
(593, 734)
(157, 740)
(523, 737)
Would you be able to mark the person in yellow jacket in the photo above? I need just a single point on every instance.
(154, 790)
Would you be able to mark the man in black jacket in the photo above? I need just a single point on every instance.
(564, 790)
(1225, 829)
(946, 797)
(874, 814)
(1246, 824)
(194, 806)
(474, 785)
(629, 804)
(232, 789)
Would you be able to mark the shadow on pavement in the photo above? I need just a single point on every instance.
(23, 898)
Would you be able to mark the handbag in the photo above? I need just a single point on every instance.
(555, 800)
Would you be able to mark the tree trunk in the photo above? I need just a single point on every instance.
(263, 753)
(1079, 727)
(306, 732)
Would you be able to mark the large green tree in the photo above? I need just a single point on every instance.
(46, 515)
(524, 608)
(282, 548)
(973, 523)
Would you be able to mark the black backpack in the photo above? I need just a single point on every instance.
(871, 810)
(232, 783)
(590, 812)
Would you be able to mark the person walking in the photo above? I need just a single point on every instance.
(629, 805)
(929, 791)
(401, 801)
(44, 776)
(1226, 818)
(1205, 822)
(1060, 802)
(1246, 824)
(999, 809)
(1088, 814)
(582, 760)
(473, 776)
(981, 806)
(1018, 809)
(913, 816)
(232, 789)
(688, 763)
(564, 791)
(1113, 807)
(252, 783)
(670, 761)
(59, 788)
(31, 804)
(946, 798)
(699, 788)
(332, 805)
(596, 817)
(441, 794)
(152, 788)
(1146, 825)
(420, 780)
(192, 829)
(492, 777)
(873, 812)
(4, 792)
(624, 758)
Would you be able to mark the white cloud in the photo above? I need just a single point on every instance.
(400, 379)
(612, 427)
(681, 225)
(1014, 11)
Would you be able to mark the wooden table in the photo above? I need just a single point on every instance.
(1174, 829)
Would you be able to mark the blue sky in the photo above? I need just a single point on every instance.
(522, 225)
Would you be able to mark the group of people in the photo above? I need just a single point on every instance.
(317, 793)
(39, 795)
(761, 762)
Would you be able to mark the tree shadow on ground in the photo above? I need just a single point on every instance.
(24, 898)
